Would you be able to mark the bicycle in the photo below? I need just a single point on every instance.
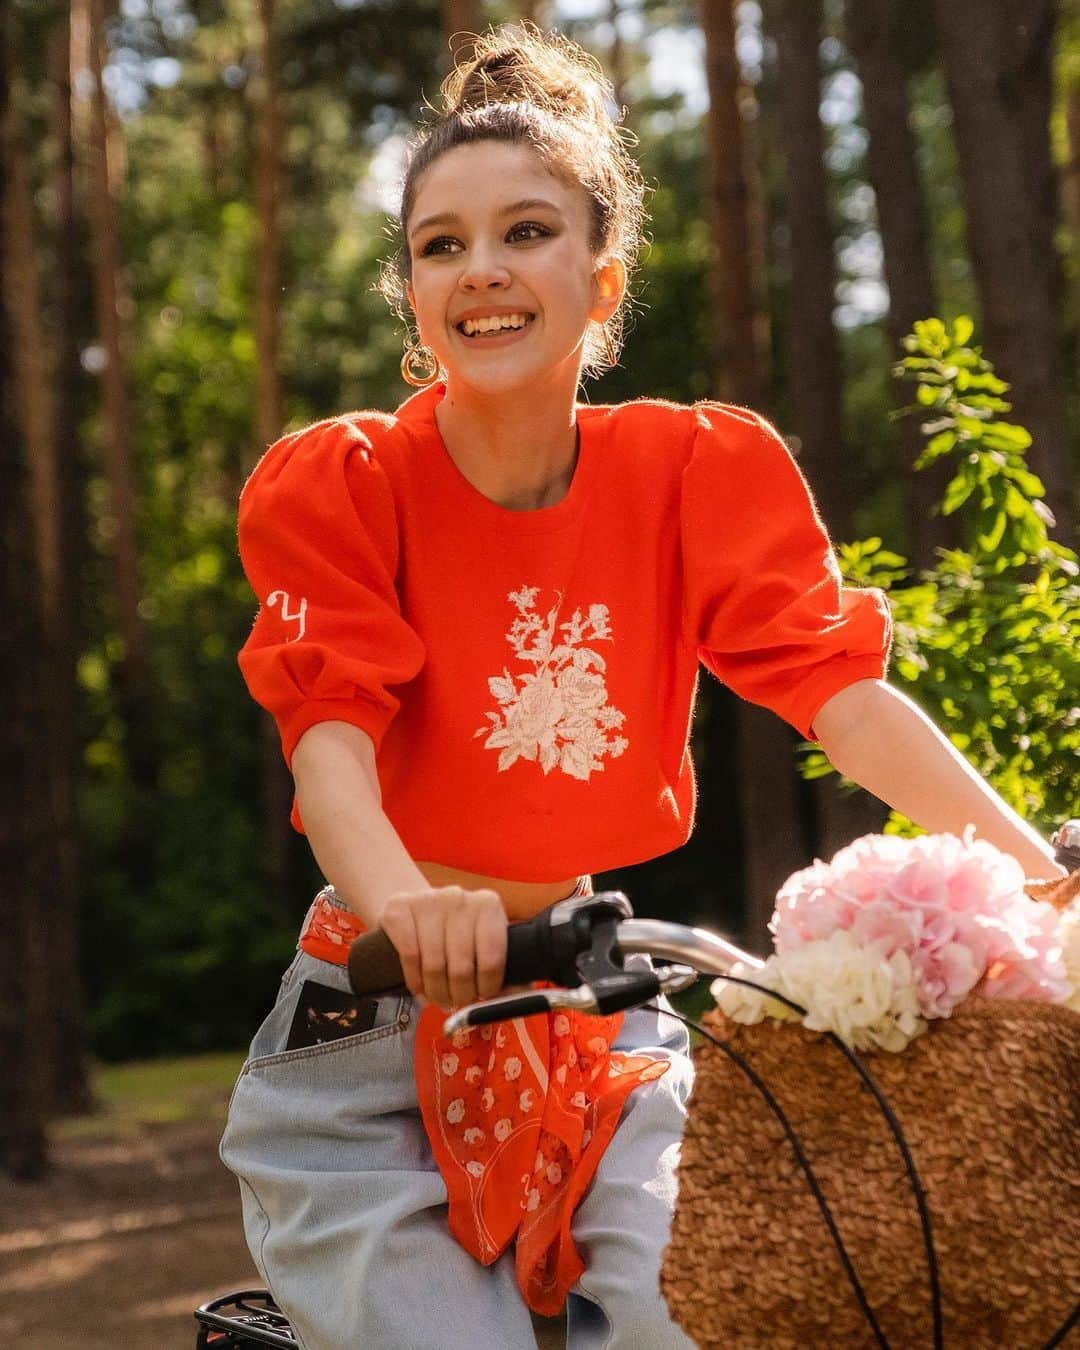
(579, 946)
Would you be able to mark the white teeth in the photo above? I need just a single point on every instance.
(492, 324)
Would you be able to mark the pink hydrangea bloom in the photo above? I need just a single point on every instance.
(955, 907)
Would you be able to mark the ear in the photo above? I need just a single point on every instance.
(609, 287)
(410, 295)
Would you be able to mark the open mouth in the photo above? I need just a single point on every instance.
(496, 326)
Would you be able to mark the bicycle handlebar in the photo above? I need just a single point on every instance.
(578, 945)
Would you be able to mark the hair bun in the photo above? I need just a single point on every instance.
(518, 64)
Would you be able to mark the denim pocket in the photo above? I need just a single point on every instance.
(392, 1016)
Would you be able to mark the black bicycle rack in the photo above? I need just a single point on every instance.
(238, 1321)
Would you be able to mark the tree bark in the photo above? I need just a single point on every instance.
(460, 17)
(275, 780)
(873, 31)
(770, 807)
(70, 1088)
(55, 1000)
(22, 1136)
(998, 67)
(116, 401)
(814, 350)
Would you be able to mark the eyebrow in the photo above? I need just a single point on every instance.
(449, 217)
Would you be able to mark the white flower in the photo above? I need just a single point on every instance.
(533, 1200)
(554, 1173)
(487, 1099)
(455, 1112)
(526, 1100)
(502, 1129)
(475, 1169)
(1069, 936)
(869, 1000)
(562, 1024)
(474, 1136)
(473, 1073)
(512, 1068)
(449, 1065)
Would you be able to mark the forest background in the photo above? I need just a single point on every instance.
(195, 205)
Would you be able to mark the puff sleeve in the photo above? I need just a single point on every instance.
(319, 544)
(765, 605)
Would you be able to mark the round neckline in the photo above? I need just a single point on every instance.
(534, 518)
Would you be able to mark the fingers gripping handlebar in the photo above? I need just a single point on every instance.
(545, 947)
(573, 944)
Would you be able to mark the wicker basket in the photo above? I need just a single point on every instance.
(989, 1102)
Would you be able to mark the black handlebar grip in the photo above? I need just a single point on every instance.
(375, 967)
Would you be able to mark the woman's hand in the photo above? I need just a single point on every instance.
(452, 942)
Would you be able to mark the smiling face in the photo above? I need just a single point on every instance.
(503, 278)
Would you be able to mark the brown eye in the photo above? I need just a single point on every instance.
(528, 230)
(441, 244)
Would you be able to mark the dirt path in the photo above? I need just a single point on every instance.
(122, 1241)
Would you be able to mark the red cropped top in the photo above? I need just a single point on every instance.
(528, 677)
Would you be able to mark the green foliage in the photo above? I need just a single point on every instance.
(986, 640)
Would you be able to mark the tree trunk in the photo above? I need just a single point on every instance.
(998, 61)
(1070, 199)
(22, 1136)
(814, 350)
(55, 1002)
(460, 17)
(276, 783)
(116, 402)
(873, 30)
(70, 1088)
(770, 810)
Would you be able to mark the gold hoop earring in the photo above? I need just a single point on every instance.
(429, 362)
(609, 346)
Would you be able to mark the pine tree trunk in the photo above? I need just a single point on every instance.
(460, 18)
(814, 350)
(770, 808)
(873, 30)
(998, 66)
(55, 1001)
(275, 780)
(70, 1088)
(24, 822)
(116, 401)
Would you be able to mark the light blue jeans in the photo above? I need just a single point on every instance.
(345, 1209)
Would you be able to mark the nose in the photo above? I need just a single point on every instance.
(483, 270)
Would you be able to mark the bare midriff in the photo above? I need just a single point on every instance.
(521, 899)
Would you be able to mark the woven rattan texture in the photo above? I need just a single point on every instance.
(990, 1104)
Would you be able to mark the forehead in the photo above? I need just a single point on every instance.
(475, 180)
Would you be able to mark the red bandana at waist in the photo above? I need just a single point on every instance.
(518, 1115)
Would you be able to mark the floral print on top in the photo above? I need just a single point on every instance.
(556, 715)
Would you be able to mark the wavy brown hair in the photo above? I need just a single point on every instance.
(525, 87)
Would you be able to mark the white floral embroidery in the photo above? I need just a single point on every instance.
(455, 1112)
(512, 1068)
(449, 1065)
(475, 1169)
(557, 714)
(502, 1129)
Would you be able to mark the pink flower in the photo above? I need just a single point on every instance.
(955, 907)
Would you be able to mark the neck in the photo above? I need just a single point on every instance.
(518, 450)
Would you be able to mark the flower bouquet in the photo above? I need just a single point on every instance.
(935, 1202)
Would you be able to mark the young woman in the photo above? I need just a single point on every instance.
(480, 626)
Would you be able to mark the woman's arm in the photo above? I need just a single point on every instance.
(452, 942)
(878, 738)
